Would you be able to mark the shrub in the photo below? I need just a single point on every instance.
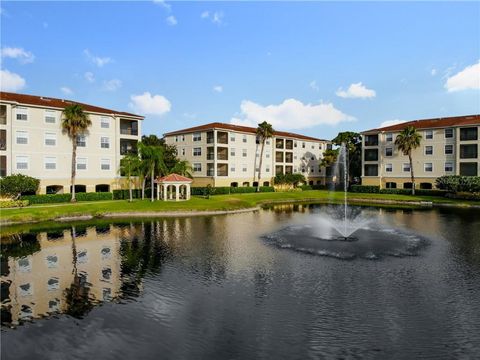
(365, 188)
(62, 198)
(243, 190)
(267, 189)
(293, 179)
(124, 194)
(464, 195)
(306, 187)
(14, 185)
(457, 183)
(13, 203)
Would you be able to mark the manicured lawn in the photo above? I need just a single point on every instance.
(215, 203)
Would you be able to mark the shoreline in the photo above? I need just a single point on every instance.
(261, 205)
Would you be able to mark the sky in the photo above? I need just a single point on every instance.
(315, 68)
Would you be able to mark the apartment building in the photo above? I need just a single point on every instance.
(449, 146)
(229, 155)
(32, 143)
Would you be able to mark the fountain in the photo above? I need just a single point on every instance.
(346, 232)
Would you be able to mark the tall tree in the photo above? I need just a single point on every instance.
(153, 163)
(152, 140)
(409, 139)
(130, 166)
(353, 143)
(182, 167)
(264, 132)
(75, 122)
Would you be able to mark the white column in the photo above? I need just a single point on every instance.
(177, 192)
(158, 191)
(188, 191)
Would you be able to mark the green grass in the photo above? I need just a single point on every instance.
(37, 213)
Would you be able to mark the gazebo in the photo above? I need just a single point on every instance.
(173, 187)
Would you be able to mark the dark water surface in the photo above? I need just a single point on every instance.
(242, 287)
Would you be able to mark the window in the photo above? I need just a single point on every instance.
(50, 162)
(449, 166)
(244, 152)
(24, 264)
(22, 137)
(244, 138)
(50, 117)
(105, 164)
(3, 114)
(428, 150)
(267, 154)
(406, 167)
(388, 137)
(22, 114)
(232, 168)
(106, 253)
(468, 151)
(267, 142)
(183, 151)
(388, 167)
(197, 167)
(303, 145)
(232, 137)
(197, 151)
(176, 138)
(81, 141)
(53, 284)
(312, 169)
(22, 162)
(295, 144)
(428, 134)
(82, 256)
(50, 139)
(468, 169)
(25, 289)
(428, 167)
(469, 134)
(371, 140)
(244, 167)
(197, 136)
(448, 133)
(448, 149)
(267, 169)
(388, 151)
(105, 122)
(371, 154)
(81, 163)
(370, 170)
(313, 146)
(52, 261)
(303, 169)
(232, 152)
(104, 142)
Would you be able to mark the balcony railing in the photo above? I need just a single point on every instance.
(129, 131)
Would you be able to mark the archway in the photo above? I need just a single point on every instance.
(54, 189)
(102, 188)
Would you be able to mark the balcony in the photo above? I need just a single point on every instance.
(210, 137)
(468, 151)
(279, 170)
(3, 140)
(210, 170)
(222, 137)
(289, 157)
(222, 153)
(288, 169)
(371, 155)
(371, 140)
(222, 169)
(210, 153)
(279, 143)
(289, 144)
(278, 156)
(128, 146)
(467, 134)
(3, 115)
(129, 127)
(3, 166)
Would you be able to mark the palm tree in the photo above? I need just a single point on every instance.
(143, 168)
(408, 140)
(182, 167)
(75, 122)
(153, 164)
(129, 166)
(264, 132)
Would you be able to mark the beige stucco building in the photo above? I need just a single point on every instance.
(229, 155)
(449, 146)
(32, 143)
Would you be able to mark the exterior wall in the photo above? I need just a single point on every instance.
(38, 152)
(438, 158)
(244, 157)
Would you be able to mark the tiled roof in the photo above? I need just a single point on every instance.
(246, 129)
(173, 178)
(58, 103)
(432, 123)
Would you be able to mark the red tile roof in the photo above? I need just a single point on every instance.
(432, 123)
(57, 103)
(246, 129)
(173, 178)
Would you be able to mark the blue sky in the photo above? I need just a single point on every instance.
(315, 68)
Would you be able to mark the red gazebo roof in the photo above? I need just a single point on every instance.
(173, 178)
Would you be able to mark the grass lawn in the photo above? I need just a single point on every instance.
(36, 213)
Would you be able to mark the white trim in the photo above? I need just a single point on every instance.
(425, 150)
(27, 161)
(445, 149)
(425, 167)
(47, 137)
(45, 162)
(25, 132)
(23, 111)
(106, 161)
(445, 166)
(51, 114)
(78, 162)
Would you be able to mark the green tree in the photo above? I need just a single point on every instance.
(130, 166)
(264, 131)
(14, 185)
(353, 143)
(182, 167)
(152, 163)
(409, 139)
(75, 122)
(152, 140)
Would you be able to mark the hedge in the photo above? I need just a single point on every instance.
(376, 189)
(223, 190)
(61, 198)
(13, 203)
(457, 183)
(365, 188)
(312, 187)
(464, 196)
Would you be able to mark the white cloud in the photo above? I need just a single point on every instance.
(148, 104)
(391, 122)
(290, 114)
(97, 60)
(468, 78)
(357, 90)
(20, 54)
(171, 20)
(112, 85)
(162, 3)
(218, 88)
(313, 85)
(10, 81)
(215, 17)
(89, 77)
(433, 72)
(66, 90)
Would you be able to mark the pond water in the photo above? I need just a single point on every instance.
(263, 285)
